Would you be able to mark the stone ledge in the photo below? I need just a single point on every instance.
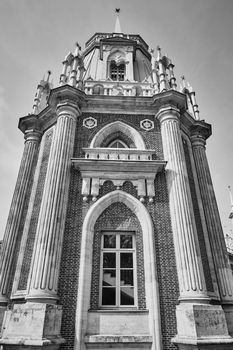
(204, 340)
(119, 311)
(32, 342)
(118, 339)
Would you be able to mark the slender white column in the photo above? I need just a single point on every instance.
(188, 257)
(220, 256)
(51, 222)
(21, 293)
(32, 138)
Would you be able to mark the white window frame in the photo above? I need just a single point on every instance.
(117, 250)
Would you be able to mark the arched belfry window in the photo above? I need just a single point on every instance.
(117, 71)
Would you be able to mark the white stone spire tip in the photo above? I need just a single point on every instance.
(49, 73)
(117, 24)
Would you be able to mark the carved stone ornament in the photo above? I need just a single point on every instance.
(147, 124)
(89, 122)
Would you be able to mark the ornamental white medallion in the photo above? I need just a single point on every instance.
(89, 122)
(147, 124)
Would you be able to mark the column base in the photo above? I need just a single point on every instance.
(2, 312)
(205, 345)
(201, 326)
(228, 309)
(32, 326)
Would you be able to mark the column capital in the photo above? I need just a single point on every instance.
(68, 108)
(198, 140)
(168, 113)
(32, 135)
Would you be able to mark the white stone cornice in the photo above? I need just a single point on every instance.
(118, 168)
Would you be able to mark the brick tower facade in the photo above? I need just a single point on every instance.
(114, 238)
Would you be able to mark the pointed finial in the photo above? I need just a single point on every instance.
(159, 52)
(183, 81)
(231, 201)
(231, 197)
(49, 73)
(78, 48)
(190, 88)
(117, 24)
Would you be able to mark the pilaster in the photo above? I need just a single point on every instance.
(214, 227)
(32, 139)
(195, 326)
(189, 264)
(49, 235)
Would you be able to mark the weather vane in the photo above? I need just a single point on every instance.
(117, 10)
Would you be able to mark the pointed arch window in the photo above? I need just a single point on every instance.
(117, 72)
(117, 143)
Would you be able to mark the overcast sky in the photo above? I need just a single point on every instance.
(196, 34)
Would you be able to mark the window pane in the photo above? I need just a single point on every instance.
(126, 241)
(109, 241)
(109, 260)
(127, 277)
(109, 277)
(126, 260)
(108, 296)
(127, 296)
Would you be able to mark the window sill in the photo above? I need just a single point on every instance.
(118, 339)
(119, 310)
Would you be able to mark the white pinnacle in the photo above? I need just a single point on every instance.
(117, 24)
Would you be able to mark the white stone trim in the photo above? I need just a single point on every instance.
(85, 269)
(147, 124)
(89, 123)
(114, 127)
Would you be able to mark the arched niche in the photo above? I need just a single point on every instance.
(115, 127)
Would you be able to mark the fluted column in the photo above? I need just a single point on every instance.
(220, 256)
(32, 138)
(188, 257)
(50, 228)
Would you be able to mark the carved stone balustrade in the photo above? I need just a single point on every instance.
(118, 154)
(124, 88)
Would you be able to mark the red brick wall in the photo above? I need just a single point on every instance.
(163, 238)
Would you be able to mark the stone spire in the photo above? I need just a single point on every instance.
(117, 24)
(42, 93)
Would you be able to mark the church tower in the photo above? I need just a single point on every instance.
(114, 238)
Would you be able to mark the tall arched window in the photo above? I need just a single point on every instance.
(118, 275)
(117, 72)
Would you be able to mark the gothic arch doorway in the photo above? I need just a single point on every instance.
(85, 270)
